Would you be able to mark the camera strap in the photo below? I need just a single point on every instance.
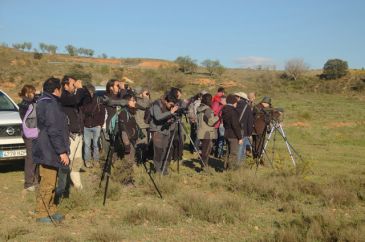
(243, 111)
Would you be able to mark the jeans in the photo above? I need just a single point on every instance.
(91, 134)
(242, 150)
(219, 142)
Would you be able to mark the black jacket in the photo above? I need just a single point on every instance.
(71, 104)
(93, 113)
(53, 138)
(247, 119)
(232, 129)
(128, 124)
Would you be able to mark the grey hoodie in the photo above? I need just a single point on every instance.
(206, 121)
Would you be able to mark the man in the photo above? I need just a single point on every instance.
(246, 123)
(261, 121)
(251, 97)
(232, 132)
(162, 111)
(218, 102)
(50, 149)
(74, 95)
(93, 119)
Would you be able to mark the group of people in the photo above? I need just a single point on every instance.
(70, 118)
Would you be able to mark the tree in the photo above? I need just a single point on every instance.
(214, 67)
(294, 68)
(334, 69)
(186, 64)
(104, 56)
(43, 47)
(52, 49)
(17, 46)
(27, 45)
(72, 50)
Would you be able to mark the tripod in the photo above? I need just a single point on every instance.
(278, 128)
(180, 127)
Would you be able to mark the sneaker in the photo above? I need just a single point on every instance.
(88, 164)
(58, 217)
(30, 189)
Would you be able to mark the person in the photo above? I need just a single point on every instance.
(162, 118)
(261, 122)
(192, 116)
(232, 132)
(73, 97)
(251, 98)
(30, 174)
(205, 126)
(50, 150)
(218, 102)
(143, 105)
(93, 119)
(246, 123)
(112, 93)
(129, 133)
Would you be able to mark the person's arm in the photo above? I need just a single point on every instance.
(236, 125)
(158, 115)
(212, 119)
(69, 99)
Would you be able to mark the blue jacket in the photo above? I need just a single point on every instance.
(53, 138)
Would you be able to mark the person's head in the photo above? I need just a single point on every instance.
(232, 100)
(145, 93)
(53, 86)
(68, 84)
(176, 92)
(112, 87)
(131, 100)
(170, 101)
(251, 96)
(28, 91)
(221, 90)
(91, 88)
(207, 99)
(266, 102)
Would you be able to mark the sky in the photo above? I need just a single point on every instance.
(239, 34)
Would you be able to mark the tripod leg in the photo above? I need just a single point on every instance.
(153, 181)
(167, 155)
(273, 146)
(281, 131)
(195, 148)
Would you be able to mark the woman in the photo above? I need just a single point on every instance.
(205, 124)
(30, 175)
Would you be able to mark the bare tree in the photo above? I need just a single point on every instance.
(294, 68)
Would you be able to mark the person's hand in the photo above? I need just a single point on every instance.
(174, 109)
(240, 141)
(78, 84)
(64, 159)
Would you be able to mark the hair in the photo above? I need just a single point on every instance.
(221, 89)
(231, 99)
(207, 99)
(51, 84)
(129, 96)
(174, 91)
(26, 90)
(90, 87)
(170, 98)
(109, 84)
(66, 80)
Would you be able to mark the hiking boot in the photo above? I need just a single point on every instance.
(45, 220)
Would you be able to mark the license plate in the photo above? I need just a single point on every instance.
(12, 153)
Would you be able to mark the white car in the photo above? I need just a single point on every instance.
(11, 142)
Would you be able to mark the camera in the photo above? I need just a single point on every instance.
(181, 111)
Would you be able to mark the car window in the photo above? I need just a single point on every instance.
(6, 104)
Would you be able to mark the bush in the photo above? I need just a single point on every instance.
(334, 69)
(37, 55)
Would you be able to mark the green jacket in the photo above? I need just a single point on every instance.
(206, 121)
(142, 105)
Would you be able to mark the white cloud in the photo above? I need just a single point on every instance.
(254, 61)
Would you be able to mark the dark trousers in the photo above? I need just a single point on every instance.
(193, 135)
(31, 176)
(206, 149)
(258, 144)
(232, 156)
(160, 147)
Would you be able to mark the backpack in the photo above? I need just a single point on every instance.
(113, 123)
(29, 122)
(147, 116)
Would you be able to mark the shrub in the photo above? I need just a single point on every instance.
(334, 69)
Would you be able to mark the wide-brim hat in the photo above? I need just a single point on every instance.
(241, 95)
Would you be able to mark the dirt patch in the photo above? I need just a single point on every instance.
(8, 85)
(228, 84)
(154, 64)
(203, 82)
(298, 124)
(341, 124)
